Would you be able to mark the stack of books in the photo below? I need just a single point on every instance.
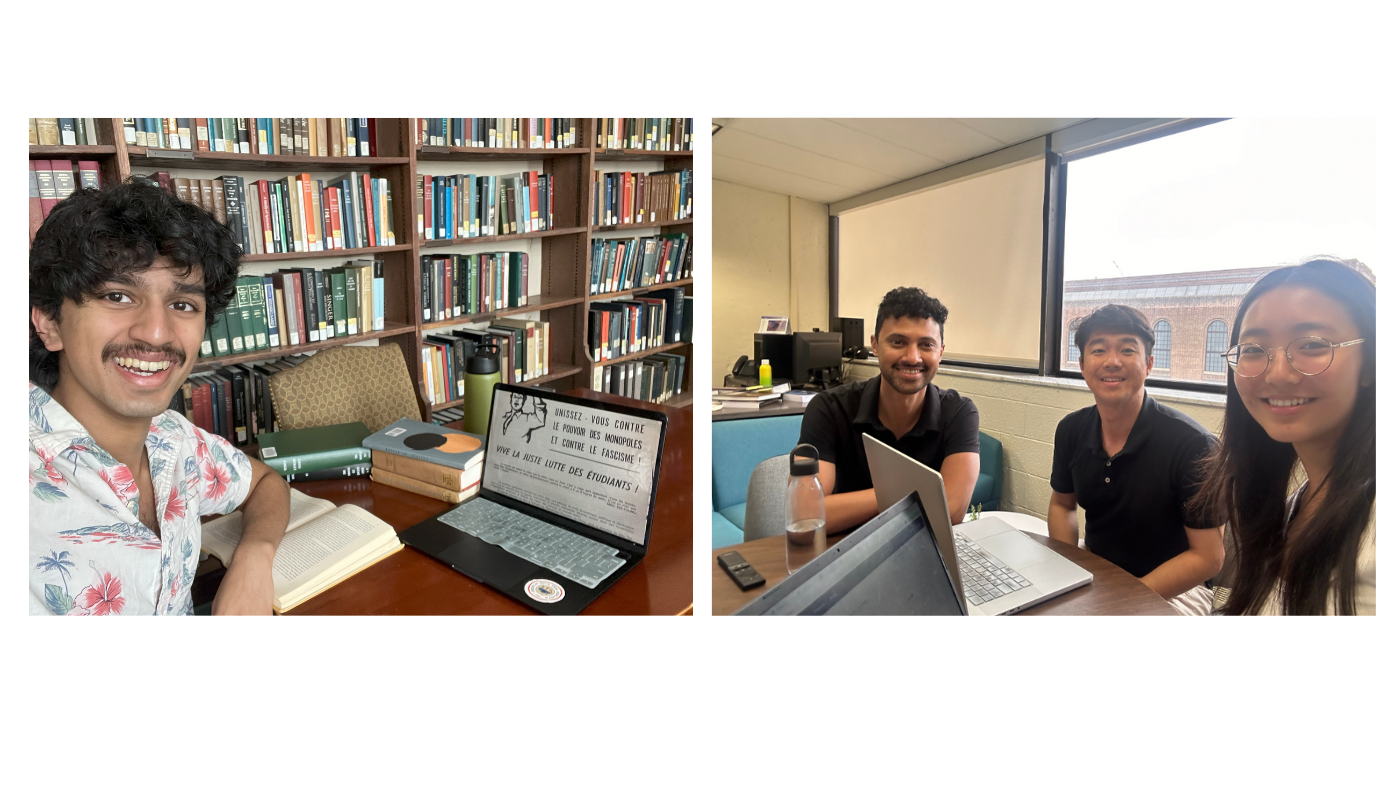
(645, 133)
(523, 345)
(55, 131)
(635, 198)
(295, 214)
(455, 285)
(298, 306)
(468, 206)
(234, 402)
(655, 379)
(315, 454)
(300, 136)
(617, 265)
(530, 133)
(427, 459)
(52, 181)
(751, 397)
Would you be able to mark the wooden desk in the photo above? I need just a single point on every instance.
(1113, 591)
(410, 582)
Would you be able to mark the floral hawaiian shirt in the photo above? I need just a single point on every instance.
(89, 554)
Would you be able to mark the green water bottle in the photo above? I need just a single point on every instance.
(483, 373)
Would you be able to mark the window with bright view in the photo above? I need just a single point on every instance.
(1180, 227)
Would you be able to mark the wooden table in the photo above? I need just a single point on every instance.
(1113, 592)
(410, 582)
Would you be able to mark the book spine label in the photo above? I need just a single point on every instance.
(310, 462)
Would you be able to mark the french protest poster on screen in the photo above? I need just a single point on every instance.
(589, 465)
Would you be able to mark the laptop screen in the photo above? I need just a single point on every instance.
(593, 466)
(894, 570)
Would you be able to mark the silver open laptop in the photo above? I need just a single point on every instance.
(1000, 569)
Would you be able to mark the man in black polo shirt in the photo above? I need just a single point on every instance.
(900, 408)
(1131, 463)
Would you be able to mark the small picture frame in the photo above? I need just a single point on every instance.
(772, 324)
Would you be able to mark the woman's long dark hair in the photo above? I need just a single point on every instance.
(1246, 479)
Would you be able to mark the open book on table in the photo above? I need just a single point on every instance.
(324, 545)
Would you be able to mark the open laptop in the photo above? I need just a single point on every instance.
(890, 566)
(1001, 569)
(568, 490)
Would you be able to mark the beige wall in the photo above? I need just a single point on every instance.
(1022, 411)
(769, 259)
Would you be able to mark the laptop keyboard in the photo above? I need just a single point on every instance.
(564, 552)
(985, 578)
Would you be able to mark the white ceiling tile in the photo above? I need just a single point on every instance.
(740, 144)
(1015, 131)
(758, 176)
(842, 143)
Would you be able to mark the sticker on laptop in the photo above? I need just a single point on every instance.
(542, 590)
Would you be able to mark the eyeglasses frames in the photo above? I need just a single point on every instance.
(1309, 355)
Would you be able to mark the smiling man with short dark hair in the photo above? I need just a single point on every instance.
(1133, 465)
(122, 283)
(901, 408)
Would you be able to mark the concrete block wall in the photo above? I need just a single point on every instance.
(1022, 411)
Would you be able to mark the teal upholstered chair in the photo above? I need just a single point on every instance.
(988, 488)
(738, 445)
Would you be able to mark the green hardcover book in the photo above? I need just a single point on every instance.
(352, 299)
(309, 449)
(235, 327)
(245, 316)
(218, 332)
(337, 279)
(518, 276)
(474, 284)
(206, 347)
(257, 313)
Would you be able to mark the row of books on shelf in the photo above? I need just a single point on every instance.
(52, 181)
(55, 131)
(295, 214)
(635, 198)
(466, 206)
(648, 320)
(300, 136)
(529, 133)
(522, 348)
(298, 306)
(456, 285)
(655, 379)
(645, 133)
(619, 265)
(234, 401)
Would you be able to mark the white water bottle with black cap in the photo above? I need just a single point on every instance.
(805, 518)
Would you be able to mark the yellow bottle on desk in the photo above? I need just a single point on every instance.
(765, 373)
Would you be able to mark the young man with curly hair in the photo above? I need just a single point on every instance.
(122, 283)
(901, 408)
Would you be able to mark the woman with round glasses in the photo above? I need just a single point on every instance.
(1302, 390)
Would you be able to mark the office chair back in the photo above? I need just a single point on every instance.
(767, 499)
(345, 384)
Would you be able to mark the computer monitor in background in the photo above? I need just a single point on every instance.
(853, 337)
(816, 358)
(777, 348)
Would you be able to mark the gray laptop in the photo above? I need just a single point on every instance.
(1001, 569)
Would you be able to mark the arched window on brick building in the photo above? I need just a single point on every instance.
(1162, 350)
(1216, 342)
(1073, 349)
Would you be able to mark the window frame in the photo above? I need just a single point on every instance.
(1099, 136)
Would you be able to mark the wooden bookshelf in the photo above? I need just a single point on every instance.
(615, 160)
(564, 250)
